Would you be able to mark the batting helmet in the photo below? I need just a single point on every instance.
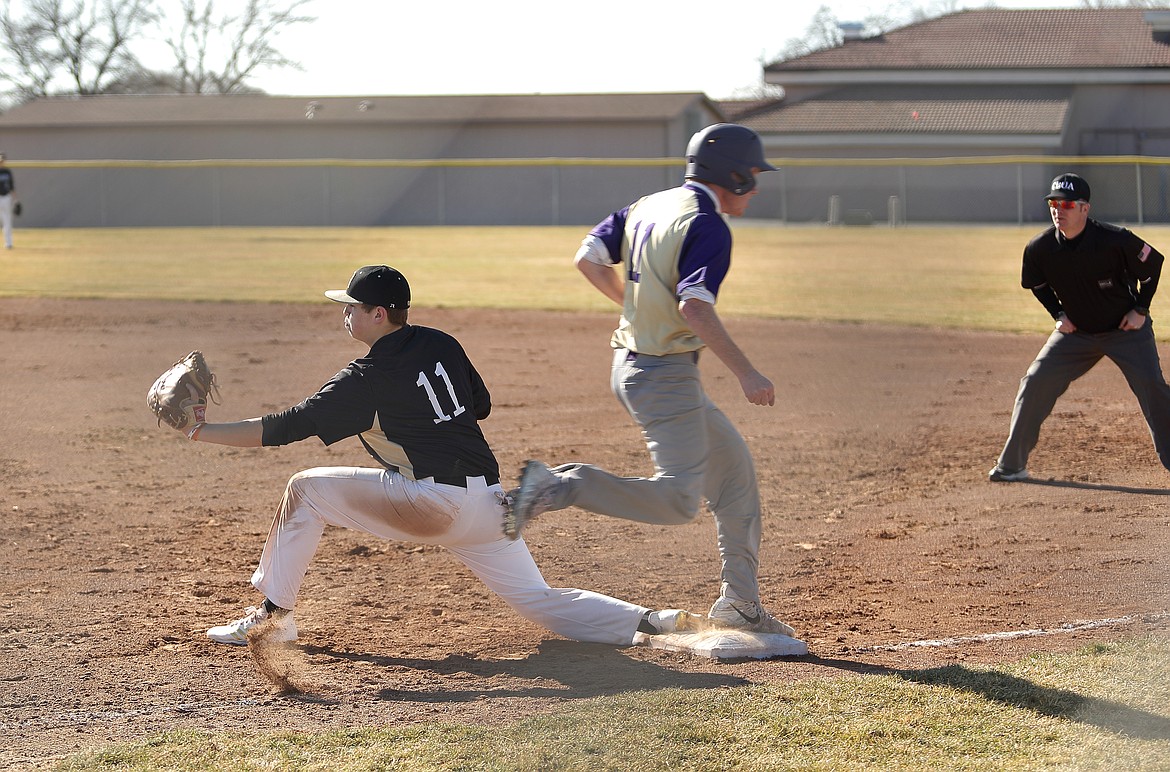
(725, 154)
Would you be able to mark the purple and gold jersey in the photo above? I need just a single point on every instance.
(673, 244)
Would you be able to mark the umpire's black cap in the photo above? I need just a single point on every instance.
(1069, 187)
(375, 285)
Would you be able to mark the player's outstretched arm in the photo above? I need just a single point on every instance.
(705, 323)
(239, 434)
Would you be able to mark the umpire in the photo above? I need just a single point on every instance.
(1097, 281)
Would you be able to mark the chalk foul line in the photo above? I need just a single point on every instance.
(1007, 635)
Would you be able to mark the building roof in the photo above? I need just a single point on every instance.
(915, 116)
(988, 72)
(738, 109)
(921, 109)
(191, 109)
(1001, 39)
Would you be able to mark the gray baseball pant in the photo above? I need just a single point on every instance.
(1066, 357)
(697, 453)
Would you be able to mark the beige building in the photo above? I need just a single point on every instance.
(866, 127)
(332, 139)
(980, 83)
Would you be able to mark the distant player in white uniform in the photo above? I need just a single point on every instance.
(674, 249)
(415, 402)
(7, 200)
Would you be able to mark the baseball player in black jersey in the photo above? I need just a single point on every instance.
(415, 402)
(1097, 281)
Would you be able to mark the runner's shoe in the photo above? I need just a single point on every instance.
(999, 474)
(745, 615)
(534, 497)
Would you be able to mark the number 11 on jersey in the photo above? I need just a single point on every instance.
(637, 248)
(425, 383)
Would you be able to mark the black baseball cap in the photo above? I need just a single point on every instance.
(1069, 187)
(375, 285)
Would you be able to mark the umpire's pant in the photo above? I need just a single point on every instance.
(1066, 357)
(698, 454)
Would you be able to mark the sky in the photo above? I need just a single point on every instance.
(388, 47)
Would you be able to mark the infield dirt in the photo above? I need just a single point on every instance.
(121, 542)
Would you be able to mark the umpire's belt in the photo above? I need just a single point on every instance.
(691, 357)
(461, 482)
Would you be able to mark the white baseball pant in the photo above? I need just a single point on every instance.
(467, 521)
(6, 204)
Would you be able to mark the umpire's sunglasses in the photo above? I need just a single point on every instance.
(1057, 203)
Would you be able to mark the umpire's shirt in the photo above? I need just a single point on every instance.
(414, 401)
(1096, 278)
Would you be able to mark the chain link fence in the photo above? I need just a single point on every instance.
(1130, 189)
(567, 191)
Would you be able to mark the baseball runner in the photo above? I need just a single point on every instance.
(1097, 281)
(7, 200)
(674, 248)
(415, 402)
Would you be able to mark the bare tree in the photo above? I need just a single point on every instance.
(824, 31)
(218, 53)
(72, 46)
(88, 46)
(29, 65)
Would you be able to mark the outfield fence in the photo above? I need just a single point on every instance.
(1003, 189)
(887, 192)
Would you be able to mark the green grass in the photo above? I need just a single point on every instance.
(1105, 707)
(925, 276)
(936, 277)
(465, 267)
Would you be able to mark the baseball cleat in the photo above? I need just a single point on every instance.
(999, 474)
(745, 615)
(283, 628)
(534, 497)
(673, 620)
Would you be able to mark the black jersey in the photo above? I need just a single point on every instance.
(415, 401)
(7, 182)
(1097, 277)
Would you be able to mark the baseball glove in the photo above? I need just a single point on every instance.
(179, 396)
(17, 208)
